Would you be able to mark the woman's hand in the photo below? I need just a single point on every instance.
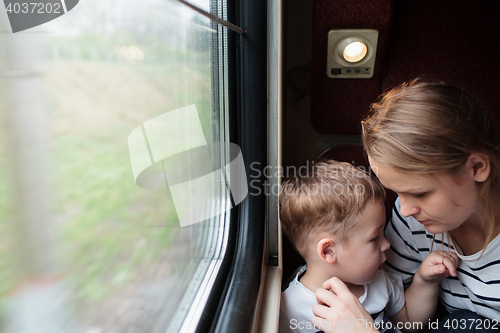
(338, 310)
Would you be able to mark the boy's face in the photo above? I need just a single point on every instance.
(363, 254)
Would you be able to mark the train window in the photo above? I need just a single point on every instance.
(83, 248)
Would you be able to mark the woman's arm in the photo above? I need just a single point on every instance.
(422, 295)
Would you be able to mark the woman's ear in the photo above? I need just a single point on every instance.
(326, 250)
(479, 164)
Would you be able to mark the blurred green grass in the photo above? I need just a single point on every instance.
(106, 225)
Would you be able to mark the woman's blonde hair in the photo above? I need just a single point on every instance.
(428, 127)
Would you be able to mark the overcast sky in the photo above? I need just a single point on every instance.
(89, 12)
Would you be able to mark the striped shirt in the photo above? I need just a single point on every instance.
(477, 284)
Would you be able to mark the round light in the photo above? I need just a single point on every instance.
(355, 51)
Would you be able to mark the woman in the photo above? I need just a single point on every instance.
(434, 146)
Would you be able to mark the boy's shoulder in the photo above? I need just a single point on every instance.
(295, 288)
(296, 296)
(296, 306)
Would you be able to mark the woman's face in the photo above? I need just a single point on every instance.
(440, 202)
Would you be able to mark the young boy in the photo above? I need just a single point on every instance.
(335, 218)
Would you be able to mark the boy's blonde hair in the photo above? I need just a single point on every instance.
(428, 127)
(324, 199)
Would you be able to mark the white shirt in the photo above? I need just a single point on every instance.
(382, 297)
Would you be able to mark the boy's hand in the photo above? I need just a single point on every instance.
(437, 265)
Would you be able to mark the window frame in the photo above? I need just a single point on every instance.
(233, 301)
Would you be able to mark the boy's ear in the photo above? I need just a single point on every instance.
(326, 250)
(480, 166)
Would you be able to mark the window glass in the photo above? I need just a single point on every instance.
(89, 241)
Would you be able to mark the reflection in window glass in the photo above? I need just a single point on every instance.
(83, 248)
